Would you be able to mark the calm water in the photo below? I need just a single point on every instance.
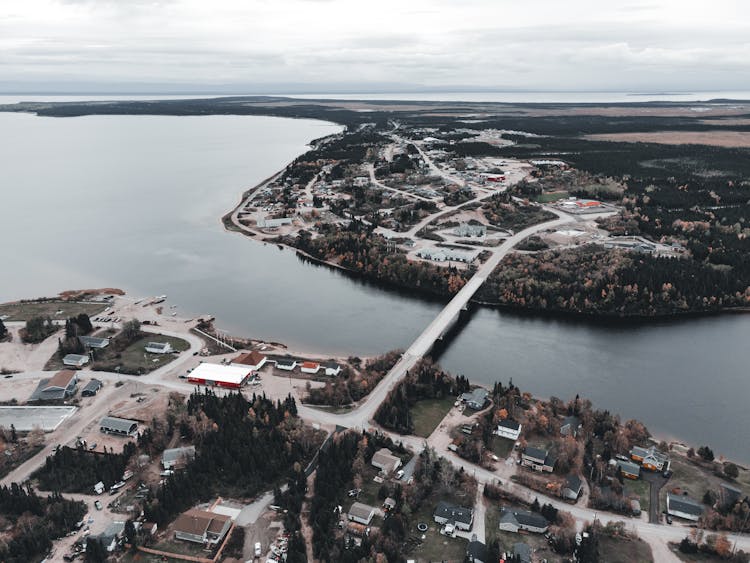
(134, 202)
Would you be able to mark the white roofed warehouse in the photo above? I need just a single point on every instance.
(217, 375)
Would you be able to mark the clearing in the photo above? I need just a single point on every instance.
(55, 309)
(717, 138)
(428, 413)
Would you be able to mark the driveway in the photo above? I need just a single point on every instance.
(656, 481)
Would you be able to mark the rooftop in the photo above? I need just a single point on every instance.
(250, 358)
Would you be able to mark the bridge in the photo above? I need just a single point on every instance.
(422, 345)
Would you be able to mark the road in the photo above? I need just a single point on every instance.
(378, 183)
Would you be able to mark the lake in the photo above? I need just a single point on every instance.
(135, 202)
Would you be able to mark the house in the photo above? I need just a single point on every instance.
(120, 426)
(384, 460)
(158, 347)
(93, 342)
(573, 487)
(508, 429)
(538, 459)
(476, 551)
(361, 513)
(217, 375)
(200, 526)
(650, 458)
(682, 506)
(389, 503)
(253, 360)
(332, 368)
(287, 364)
(91, 388)
(175, 457)
(458, 516)
(628, 469)
(728, 496)
(60, 386)
(522, 520)
(111, 535)
(570, 426)
(310, 367)
(76, 360)
(476, 399)
(522, 552)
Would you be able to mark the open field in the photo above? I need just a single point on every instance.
(428, 413)
(624, 551)
(642, 489)
(718, 138)
(695, 480)
(134, 358)
(435, 547)
(55, 309)
(502, 447)
(551, 196)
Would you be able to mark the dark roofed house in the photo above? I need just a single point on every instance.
(573, 487)
(476, 399)
(570, 426)
(93, 341)
(522, 552)
(121, 426)
(91, 388)
(332, 368)
(508, 429)
(287, 364)
(76, 360)
(254, 360)
(728, 495)
(60, 386)
(476, 551)
(517, 520)
(629, 469)
(460, 517)
(174, 457)
(200, 526)
(682, 506)
(538, 459)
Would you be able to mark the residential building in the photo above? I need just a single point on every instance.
(332, 368)
(508, 429)
(628, 469)
(467, 230)
(384, 460)
(217, 375)
(573, 487)
(361, 513)
(287, 364)
(570, 426)
(253, 360)
(177, 457)
(728, 496)
(158, 347)
(650, 458)
(476, 551)
(121, 426)
(522, 520)
(111, 535)
(522, 552)
(91, 388)
(60, 386)
(538, 459)
(682, 506)
(201, 526)
(310, 367)
(476, 399)
(459, 517)
(93, 341)
(75, 360)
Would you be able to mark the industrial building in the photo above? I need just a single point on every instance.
(121, 426)
(217, 375)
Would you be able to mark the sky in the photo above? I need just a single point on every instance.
(272, 46)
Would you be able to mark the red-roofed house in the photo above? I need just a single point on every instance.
(310, 367)
(253, 360)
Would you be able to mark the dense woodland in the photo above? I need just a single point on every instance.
(31, 522)
(37, 329)
(242, 447)
(502, 212)
(77, 470)
(358, 249)
(425, 381)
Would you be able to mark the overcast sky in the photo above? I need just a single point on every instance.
(333, 45)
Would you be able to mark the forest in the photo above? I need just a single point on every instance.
(32, 522)
(243, 446)
(425, 381)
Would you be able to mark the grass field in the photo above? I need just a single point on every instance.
(428, 413)
(502, 447)
(551, 196)
(624, 551)
(435, 547)
(134, 359)
(642, 489)
(55, 309)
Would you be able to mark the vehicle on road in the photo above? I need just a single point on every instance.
(98, 505)
(258, 549)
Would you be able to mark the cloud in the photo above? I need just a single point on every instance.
(579, 44)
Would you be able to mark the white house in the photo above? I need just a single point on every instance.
(509, 429)
(384, 460)
(361, 513)
(287, 364)
(76, 360)
(177, 456)
(332, 368)
(158, 347)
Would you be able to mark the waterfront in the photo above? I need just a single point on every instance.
(134, 202)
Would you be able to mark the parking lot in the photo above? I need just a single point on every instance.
(26, 418)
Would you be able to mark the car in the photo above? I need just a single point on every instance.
(9, 376)
(669, 519)
(92, 446)
(667, 473)
(258, 549)
(399, 474)
(98, 505)
(182, 376)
